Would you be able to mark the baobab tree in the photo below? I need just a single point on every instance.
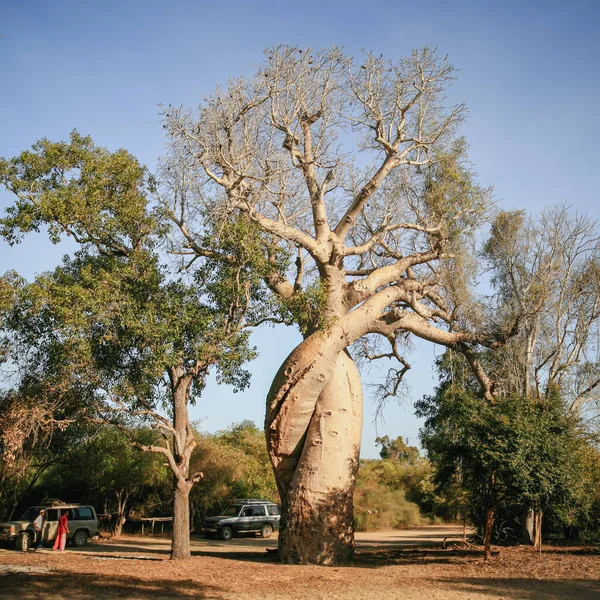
(355, 169)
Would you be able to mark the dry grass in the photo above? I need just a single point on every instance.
(386, 572)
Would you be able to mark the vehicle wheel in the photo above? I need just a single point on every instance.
(23, 542)
(80, 538)
(266, 531)
(226, 533)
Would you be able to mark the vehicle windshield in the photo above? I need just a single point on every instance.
(231, 511)
(30, 514)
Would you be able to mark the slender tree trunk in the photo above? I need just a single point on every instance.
(532, 528)
(180, 548)
(121, 518)
(537, 529)
(487, 538)
(527, 526)
(316, 478)
(120, 521)
(183, 444)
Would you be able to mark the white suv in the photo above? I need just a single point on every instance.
(83, 524)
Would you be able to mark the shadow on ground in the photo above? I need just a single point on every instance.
(525, 588)
(383, 557)
(369, 558)
(96, 587)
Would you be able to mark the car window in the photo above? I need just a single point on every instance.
(85, 513)
(51, 514)
(30, 514)
(258, 511)
(247, 512)
(273, 509)
(231, 511)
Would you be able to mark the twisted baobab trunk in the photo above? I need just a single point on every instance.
(314, 425)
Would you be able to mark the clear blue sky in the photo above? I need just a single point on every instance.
(529, 72)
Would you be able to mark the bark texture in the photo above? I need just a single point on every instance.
(183, 444)
(121, 517)
(532, 528)
(180, 547)
(537, 529)
(316, 479)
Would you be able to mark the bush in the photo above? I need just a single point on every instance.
(387, 494)
(377, 507)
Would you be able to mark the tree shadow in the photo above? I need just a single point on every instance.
(88, 586)
(365, 557)
(571, 551)
(119, 546)
(374, 558)
(525, 588)
(270, 556)
(422, 540)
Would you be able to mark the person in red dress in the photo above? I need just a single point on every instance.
(63, 529)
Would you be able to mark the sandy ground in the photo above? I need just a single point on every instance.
(409, 564)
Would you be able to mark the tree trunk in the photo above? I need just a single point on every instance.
(487, 539)
(180, 547)
(532, 528)
(120, 520)
(183, 445)
(537, 529)
(316, 479)
(527, 527)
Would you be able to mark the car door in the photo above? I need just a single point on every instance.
(273, 518)
(51, 524)
(245, 519)
(84, 519)
(258, 517)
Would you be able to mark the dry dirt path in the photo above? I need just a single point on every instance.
(422, 536)
(408, 564)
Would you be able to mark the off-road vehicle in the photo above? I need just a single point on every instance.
(83, 524)
(244, 516)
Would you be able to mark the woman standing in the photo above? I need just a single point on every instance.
(63, 529)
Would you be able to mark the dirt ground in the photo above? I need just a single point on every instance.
(408, 565)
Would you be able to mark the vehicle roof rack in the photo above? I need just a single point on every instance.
(251, 501)
(53, 502)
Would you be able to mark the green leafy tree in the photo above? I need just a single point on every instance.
(397, 449)
(235, 464)
(109, 320)
(34, 413)
(509, 451)
(108, 469)
(38, 427)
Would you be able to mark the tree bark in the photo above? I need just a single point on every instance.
(316, 480)
(527, 526)
(532, 528)
(537, 529)
(183, 444)
(487, 539)
(120, 517)
(118, 526)
(180, 547)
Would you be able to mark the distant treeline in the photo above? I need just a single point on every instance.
(98, 464)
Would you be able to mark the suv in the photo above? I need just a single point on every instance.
(243, 516)
(83, 524)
